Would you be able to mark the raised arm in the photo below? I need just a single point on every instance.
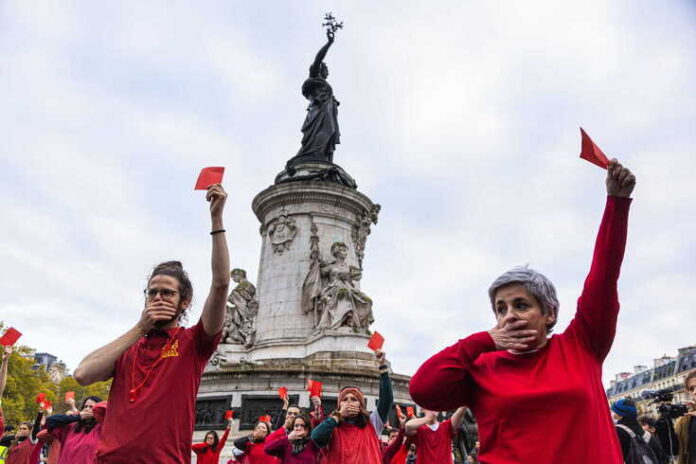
(223, 439)
(412, 425)
(598, 306)
(457, 419)
(37, 426)
(386, 393)
(6, 352)
(213, 316)
(321, 54)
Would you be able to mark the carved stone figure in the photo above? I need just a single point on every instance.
(362, 229)
(281, 233)
(330, 293)
(242, 309)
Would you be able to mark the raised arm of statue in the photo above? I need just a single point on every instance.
(314, 70)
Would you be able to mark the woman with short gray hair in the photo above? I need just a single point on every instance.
(537, 398)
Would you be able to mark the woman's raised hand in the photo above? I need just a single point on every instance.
(620, 180)
(513, 336)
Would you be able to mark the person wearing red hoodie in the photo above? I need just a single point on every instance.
(540, 399)
(250, 449)
(209, 451)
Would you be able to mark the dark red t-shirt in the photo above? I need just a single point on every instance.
(434, 446)
(158, 426)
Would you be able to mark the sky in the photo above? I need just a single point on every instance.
(460, 118)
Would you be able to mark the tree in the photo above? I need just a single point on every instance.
(25, 382)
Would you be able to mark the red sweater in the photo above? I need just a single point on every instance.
(546, 407)
(205, 454)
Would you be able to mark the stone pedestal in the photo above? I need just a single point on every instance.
(300, 221)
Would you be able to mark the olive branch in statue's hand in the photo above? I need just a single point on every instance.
(331, 25)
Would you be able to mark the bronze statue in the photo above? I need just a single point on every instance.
(320, 129)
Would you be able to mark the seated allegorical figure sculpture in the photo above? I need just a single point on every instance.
(242, 309)
(329, 291)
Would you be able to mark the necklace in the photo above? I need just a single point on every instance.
(133, 392)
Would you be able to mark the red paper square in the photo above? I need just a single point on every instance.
(69, 396)
(208, 177)
(283, 392)
(265, 418)
(314, 387)
(591, 152)
(11, 336)
(40, 398)
(229, 414)
(376, 341)
(409, 411)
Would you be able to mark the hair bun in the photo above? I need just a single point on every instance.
(170, 265)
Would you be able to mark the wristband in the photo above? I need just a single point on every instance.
(219, 231)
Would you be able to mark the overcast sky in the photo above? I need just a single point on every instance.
(460, 118)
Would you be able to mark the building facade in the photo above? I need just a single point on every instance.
(667, 372)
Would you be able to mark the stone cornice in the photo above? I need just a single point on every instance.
(310, 192)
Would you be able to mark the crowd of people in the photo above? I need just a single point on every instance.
(538, 398)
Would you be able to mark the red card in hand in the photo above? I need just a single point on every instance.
(283, 392)
(229, 414)
(208, 177)
(69, 396)
(591, 152)
(409, 411)
(40, 398)
(314, 387)
(10, 338)
(376, 341)
(265, 418)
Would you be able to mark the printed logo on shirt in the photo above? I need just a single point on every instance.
(171, 352)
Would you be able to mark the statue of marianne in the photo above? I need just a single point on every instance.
(320, 129)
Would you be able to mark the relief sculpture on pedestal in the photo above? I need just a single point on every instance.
(330, 292)
(242, 309)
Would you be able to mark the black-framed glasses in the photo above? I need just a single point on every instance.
(166, 293)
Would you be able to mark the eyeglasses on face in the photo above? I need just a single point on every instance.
(166, 293)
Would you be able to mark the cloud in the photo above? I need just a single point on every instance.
(460, 119)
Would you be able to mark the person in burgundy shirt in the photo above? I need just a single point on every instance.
(537, 399)
(157, 365)
(209, 451)
(26, 447)
(432, 438)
